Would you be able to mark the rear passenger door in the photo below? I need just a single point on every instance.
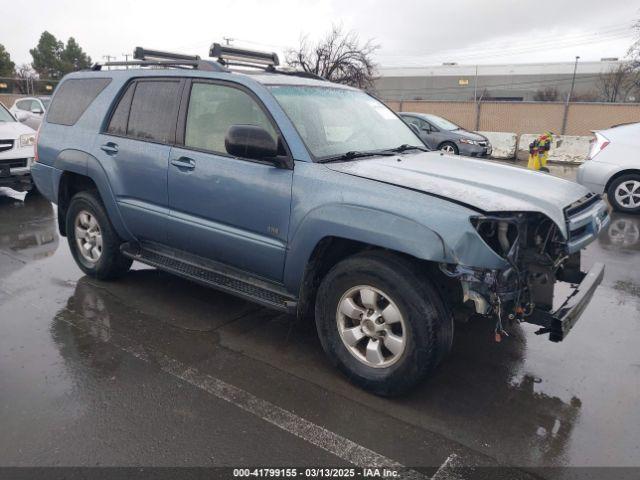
(224, 208)
(134, 151)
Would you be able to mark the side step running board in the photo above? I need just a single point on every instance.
(212, 274)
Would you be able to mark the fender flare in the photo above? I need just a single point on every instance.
(82, 163)
(362, 224)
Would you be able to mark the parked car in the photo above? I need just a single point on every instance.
(30, 110)
(311, 198)
(16, 152)
(440, 134)
(613, 167)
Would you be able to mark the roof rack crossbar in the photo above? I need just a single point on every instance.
(141, 53)
(238, 56)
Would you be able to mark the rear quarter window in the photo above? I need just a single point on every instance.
(73, 97)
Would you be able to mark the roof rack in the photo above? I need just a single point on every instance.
(227, 55)
(156, 58)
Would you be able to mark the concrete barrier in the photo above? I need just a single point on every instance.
(503, 143)
(574, 149)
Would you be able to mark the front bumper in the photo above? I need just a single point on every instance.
(474, 150)
(558, 324)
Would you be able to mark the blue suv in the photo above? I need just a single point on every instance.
(312, 198)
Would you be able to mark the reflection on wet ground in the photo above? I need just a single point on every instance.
(74, 394)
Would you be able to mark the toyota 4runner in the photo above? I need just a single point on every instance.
(311, 198)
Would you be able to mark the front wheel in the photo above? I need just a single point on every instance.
(93, 241)
(624, 193)
(449, 147)
(382, 322)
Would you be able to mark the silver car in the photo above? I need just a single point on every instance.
(30, 110)
(613, 167)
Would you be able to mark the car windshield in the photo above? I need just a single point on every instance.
(335, 121)
(442, 123)
(5, 116)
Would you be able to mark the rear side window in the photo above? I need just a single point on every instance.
(73, 97)
(153, 111)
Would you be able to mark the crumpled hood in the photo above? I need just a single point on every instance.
(483, 185)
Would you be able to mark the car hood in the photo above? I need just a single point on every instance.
(483, 185)
(461, 133)
(12, 130)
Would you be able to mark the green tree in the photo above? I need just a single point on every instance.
(46, 56)
(53, 59)
(73, 57)
(7, 67)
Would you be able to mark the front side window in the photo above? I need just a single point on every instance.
(213, 109)
(333, 121)
(153, 111)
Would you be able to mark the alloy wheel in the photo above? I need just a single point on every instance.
(88, 237)
(371, 326)
(628, 194)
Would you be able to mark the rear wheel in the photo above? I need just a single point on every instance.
(448, 147)
(624, 193)
(93, 241)
(382, 322)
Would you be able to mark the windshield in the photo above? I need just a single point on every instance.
(442, 123)
(334, 121)
(5, 116)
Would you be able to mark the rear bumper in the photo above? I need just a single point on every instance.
(558, 324)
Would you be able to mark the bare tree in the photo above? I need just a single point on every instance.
(24, 76)
(549, 94)
(617, 83)
(339, 57)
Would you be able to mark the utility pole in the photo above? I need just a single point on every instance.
(228, 40)
(475, 87)
(126, 59)
(108, 58)
(569, 95)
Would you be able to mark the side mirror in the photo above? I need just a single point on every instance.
(21, 116)
(249, 141)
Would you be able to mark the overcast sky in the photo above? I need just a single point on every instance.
(410, 32)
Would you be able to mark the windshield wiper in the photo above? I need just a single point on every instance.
(405, 147)
(356, 154)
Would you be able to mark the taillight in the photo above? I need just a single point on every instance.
(597, 145)
(35, 147)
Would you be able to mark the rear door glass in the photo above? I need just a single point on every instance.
(154, 110)
(120, 117)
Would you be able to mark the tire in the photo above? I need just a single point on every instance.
(426, 325)
(108, 263)
(449, 147)
(624, 193)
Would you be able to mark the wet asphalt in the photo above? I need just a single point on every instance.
(124, 373)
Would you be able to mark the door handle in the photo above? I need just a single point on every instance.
(184, 163)
(110, 148)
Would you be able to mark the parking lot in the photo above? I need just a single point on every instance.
(155, 370)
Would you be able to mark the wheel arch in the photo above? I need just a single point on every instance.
(615, 176)
(81, 172)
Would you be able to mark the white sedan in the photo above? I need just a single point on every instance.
(613, 167)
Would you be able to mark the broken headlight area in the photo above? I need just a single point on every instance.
(536, 257)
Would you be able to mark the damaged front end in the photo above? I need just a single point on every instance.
(538, 254)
